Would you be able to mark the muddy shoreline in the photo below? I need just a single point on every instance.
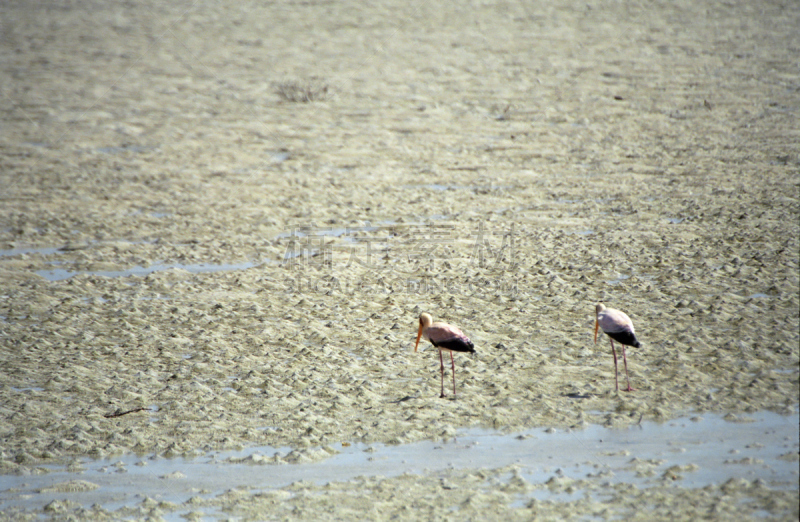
(232, 217)
(532, 473)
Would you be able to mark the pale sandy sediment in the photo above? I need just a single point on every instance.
(503, 168)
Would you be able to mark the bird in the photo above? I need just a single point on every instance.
(444, 337)
(619, 327)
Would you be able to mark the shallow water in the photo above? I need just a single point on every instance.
(20, 251)
(692, 452)
(302, 242)
(57, 274)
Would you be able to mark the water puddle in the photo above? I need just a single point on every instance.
(303, 241)
(620, 278)
(153, 214)
(69, 247)
(58, 274)
(308, 235)
(690, 453)
(46, 251)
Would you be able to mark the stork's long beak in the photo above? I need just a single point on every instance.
(419, 334)
(596, 326)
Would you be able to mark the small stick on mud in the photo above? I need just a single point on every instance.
(121, 413)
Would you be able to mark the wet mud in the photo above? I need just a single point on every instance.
(229, 218)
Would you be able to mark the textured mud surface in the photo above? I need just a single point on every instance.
(233, 215)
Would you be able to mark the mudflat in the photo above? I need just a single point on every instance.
(228, 218)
